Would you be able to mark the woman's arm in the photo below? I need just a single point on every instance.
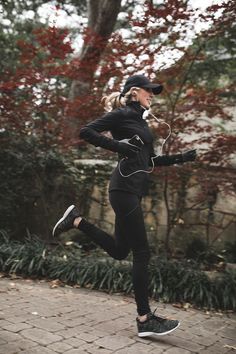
(91, 133)
(167, 160)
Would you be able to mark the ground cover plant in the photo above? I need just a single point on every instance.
(170, 280)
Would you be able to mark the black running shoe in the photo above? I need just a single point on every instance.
(155, 325)
(66, 222)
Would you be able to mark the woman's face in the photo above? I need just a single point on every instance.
(144, 97)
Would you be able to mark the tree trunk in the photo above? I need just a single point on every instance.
(102, 16)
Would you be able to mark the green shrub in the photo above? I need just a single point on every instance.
(34, 182)
(200, 252)
(196, 249)
(28, 258)
(230, 251)
(170, 281)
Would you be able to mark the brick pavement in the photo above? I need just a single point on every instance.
(38, 319)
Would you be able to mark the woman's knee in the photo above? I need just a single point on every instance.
(119, 256)
(141, 256)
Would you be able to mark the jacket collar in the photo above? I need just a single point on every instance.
(136, 106)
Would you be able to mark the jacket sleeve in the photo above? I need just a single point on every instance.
(91, 132)
(165, 160)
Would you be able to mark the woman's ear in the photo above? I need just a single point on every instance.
(134, 93)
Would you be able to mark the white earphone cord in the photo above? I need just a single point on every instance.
(152, 158)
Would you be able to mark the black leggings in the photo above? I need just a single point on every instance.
(130, 234)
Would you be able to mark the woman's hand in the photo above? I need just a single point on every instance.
(127, 149)
(189, 155)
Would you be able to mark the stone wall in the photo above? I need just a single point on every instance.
(198, 222)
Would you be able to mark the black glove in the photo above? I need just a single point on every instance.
(189, 155)
(127, 149)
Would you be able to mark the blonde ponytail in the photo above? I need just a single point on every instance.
(116, 100)
(112, 101)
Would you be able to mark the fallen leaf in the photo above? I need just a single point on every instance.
(187, 305)
(178, 305)
(229, 346)
(55, 283)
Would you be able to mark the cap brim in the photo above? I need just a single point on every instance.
(156, 88)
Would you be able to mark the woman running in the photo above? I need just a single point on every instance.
(133, 141)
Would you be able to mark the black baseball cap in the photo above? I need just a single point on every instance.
(142, 82)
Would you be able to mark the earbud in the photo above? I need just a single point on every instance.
(146, 114)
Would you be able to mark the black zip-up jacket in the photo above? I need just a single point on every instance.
(124, 123)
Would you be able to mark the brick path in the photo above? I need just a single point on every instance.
(38, 319)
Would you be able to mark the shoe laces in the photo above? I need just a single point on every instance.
(159, 318)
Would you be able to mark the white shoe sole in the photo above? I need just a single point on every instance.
(68, 210)
(147, 334)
